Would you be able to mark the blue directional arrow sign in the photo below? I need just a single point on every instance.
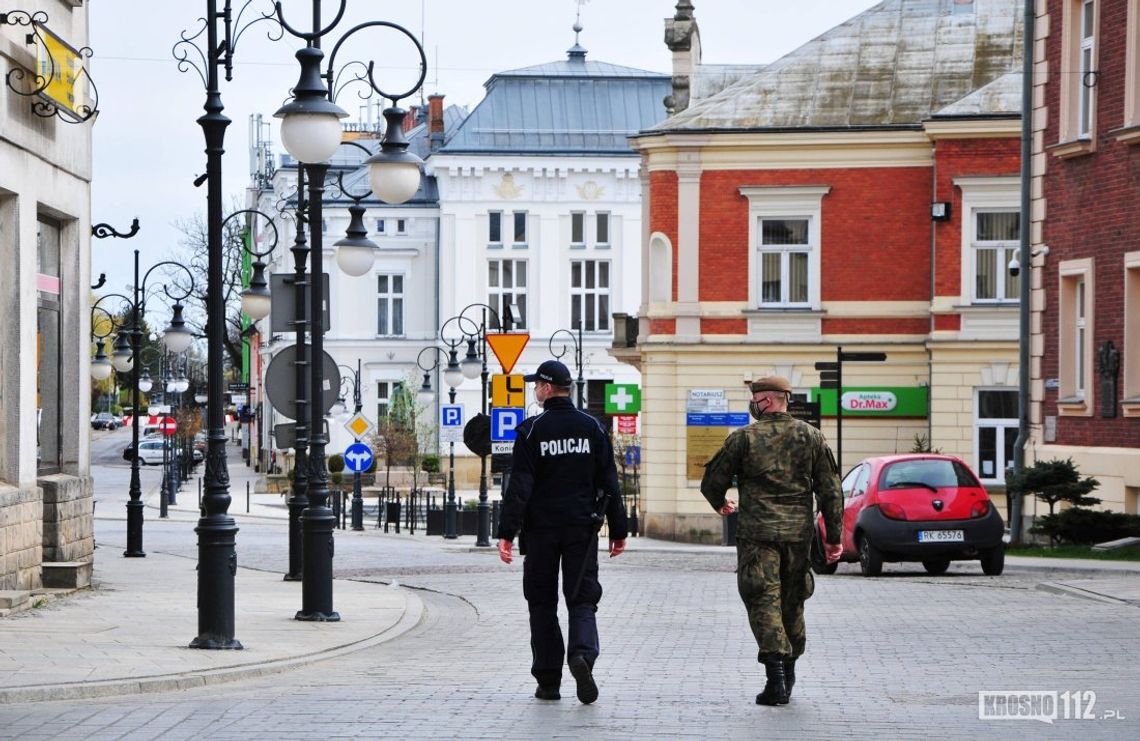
(357, 457)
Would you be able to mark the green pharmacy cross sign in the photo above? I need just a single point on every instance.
(622, 398)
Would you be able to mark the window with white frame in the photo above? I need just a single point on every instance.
(590, 295)
(1132, 66)
(380, 227)
(401, 226)
(784, 234)
(1078, 74)
(495, 228)
(602, 229)
(1087, 69)
(506, 286)
(1074, 345)
(784, 250)
(384, 391)
(390, 305)
(995, 430)
(1130, 353)
(519, 232)
(578, 229)
(997, 236)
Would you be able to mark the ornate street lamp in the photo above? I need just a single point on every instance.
(452, 376)
(313, 112)
(576, 343)
(176, 338)
(357, 498)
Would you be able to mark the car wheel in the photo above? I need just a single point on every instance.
(993, 561)
(819, 564)
(870, 558)
(936, 566)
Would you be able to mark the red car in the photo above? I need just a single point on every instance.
(918, 507)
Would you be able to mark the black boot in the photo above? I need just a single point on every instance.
(789, 675)
(775, 691)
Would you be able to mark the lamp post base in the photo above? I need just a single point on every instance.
(317, 524)
(134, 530)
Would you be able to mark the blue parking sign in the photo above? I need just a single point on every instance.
(504, 420)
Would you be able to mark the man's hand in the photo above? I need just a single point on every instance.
(832, 552)
(505, 548)
(727, 508)
(617, 547)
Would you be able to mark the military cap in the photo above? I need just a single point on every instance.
(771, 383)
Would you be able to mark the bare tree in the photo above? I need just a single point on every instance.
(196, 258)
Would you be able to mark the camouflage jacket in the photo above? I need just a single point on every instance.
(777, 463)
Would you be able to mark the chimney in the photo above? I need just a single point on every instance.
(411, 117)
(435, 121)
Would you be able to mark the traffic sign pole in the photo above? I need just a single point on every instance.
(831, 377)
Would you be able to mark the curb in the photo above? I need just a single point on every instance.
(1068, 591)
(412, 616)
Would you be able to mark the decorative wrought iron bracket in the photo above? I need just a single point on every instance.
(56, 77)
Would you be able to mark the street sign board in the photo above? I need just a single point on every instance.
(359, 425)
(622, 398)
(284, 297)
(626, 424)
(633, 455)
(285, 435)
(357, 457)
(504, 420)
(864, 357)
(508, 390)
(827, 365)
(451, 423)
(508, 346)
(168, 426)
(281, 382)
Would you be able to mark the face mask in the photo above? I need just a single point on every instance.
(755, 410)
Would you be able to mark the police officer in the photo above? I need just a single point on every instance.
(777, 462)
(563, 480)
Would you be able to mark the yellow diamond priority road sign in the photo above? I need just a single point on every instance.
(359, 425)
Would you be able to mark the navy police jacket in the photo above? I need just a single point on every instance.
(561, 459)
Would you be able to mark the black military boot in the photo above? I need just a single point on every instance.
(548, 692)
(775, 691)
(789, 675)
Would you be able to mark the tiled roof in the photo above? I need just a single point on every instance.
(897, 63)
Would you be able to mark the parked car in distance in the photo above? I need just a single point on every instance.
(917, 507)
(105, 421)
(150, 451)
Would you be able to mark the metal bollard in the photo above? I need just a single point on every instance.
(247, 497)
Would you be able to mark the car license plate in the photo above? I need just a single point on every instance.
(941, 536)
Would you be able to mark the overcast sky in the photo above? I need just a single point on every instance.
(148, 147)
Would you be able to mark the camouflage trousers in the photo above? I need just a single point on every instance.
(774, 581)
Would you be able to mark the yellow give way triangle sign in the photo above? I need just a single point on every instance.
(508, 346)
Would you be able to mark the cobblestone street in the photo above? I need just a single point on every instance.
(903, 656)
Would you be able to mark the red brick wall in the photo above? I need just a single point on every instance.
(958, 158)
(948, 322)
(724, 326)
(1091, 213)
(875, 232)
(662, 197)
(662, 326)
(875, 325)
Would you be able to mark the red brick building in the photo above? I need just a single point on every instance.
(862, 192)
(1086, 297)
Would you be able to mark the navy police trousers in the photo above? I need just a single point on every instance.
(576, 550)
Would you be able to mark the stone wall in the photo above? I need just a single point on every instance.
(68, 518)
(21, 538)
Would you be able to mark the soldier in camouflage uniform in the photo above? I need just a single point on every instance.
(777, 462)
